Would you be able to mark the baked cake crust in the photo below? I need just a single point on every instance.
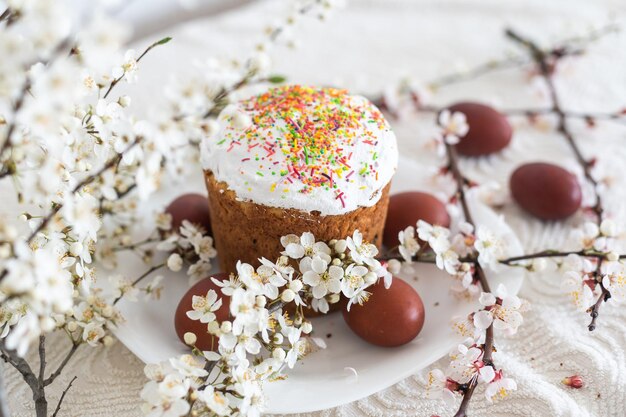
(246, 231)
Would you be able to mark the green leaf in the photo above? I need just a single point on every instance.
(276, 79)
(163, 41)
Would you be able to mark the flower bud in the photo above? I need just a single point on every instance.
(72, 326)
(394, 266)
(5, 251)
(108, 341)
(278, 338)
(279, 353)
(341, 246)
(108, 311)
(288, 295)
(190, 338)
(261, 301)
(333, 298)
(295, 285)
(370, 278)
(336, 262)
(124, 101)
(214, 328)
(612, 256)
(76, 248)
(608, 228)
(175, 262)
(574, 381)
(226, 327)
(307, 327)
(10, 232)
(539, 264)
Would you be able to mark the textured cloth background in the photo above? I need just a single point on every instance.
(367, 47)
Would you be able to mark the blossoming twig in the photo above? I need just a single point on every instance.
(140, 278)
(480, 273)
(148, 49)
(541, 60)
(108, 165)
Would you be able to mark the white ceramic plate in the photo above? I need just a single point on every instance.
(320, 381)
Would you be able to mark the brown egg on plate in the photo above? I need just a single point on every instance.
(545, 190)
(391, 317)
(489, 130)
(405, 209)
(183, 324)
(191, 207)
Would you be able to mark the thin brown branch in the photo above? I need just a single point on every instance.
(550, 254)
(467, 396)
(62, 365)
(605, 295)
(65, 391)
(42, 358)
(21, 365)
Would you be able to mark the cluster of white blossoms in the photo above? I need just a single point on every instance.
(189, 246)
(67, 147)
(81, 165)
(267, 331)
(451, 251)
(593, 244)
(454, 126)
(466, 365)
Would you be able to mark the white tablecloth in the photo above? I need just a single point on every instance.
(366, 47)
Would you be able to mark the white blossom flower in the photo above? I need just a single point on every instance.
(215, 400)
(323, 279)
(436, 236)
(305, 246)
(501, 309)
(490, 247)
(128, 69)
(499, 387)
(439, 387)
(204, 308)
(408, 243)
(158, 404)
(189, 366)
(93, 332)
(297, 347)
(578, 281)
(361, 252)
(614, 279)
(80, 210)
(229, 285)
(454, 126)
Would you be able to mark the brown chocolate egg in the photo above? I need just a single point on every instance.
(489, 130)
(405, 209)
(184, 324)
(191, 207)
(391, 317)
(546, 191)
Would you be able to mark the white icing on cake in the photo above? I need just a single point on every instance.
(304, 148)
